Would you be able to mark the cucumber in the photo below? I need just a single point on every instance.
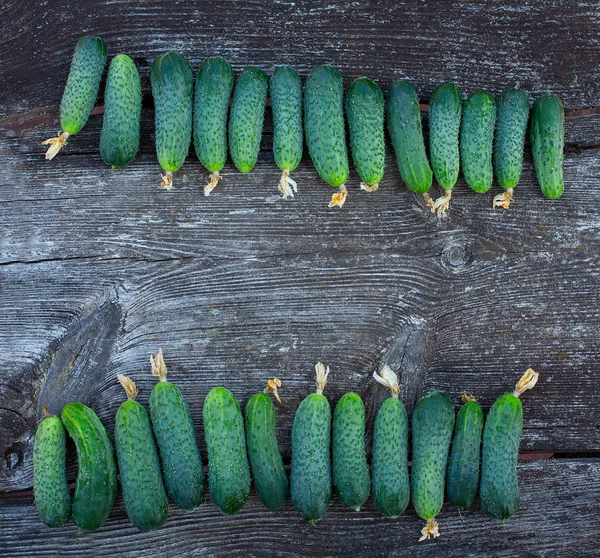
(389, 460)
(286, 103)
(462, 479)
(214, 85)
(476, 141)
(325, 129)
(310, 482)
(139, 468)
(120, 139)
(266, 465)
(509, 140)
(547, 144)
(50, 486)
(81, 90)
(406, 132)
(499, 486)
(172, 83)
(96, 485)
(432, 425)
(176, 440)
(364, 110)
(351, 479)
(246, 118)
(228, 469)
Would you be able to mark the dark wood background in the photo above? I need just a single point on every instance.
(98, 268)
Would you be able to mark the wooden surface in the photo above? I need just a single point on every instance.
(99, 267)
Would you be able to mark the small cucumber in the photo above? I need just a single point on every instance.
(547, 144)
(81, 90)
(499, 487)
(228, 469)
(351, 479)
(310, 482)
(246, 118)
(432, 425)
(406, 132)
(365, 113)
(214, 85)
(477, 139)
(139, 468)
(176, 440)
(96, 485)
(268, 470)
(50, 486)
(389, 460)
(325, 129)
(120, 139)
(462, 479)
(286, 103)
(172, 84)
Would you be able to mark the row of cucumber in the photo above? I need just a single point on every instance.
(482, 135)
(326, 454)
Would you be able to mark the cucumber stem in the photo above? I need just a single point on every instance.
(527, 381)
(272, 386)
(167, 180)
(45, 412)
(387, 377)
(440, 205)
(128, 386)
(159, 368)
(466, 398)
(212, 184)
(322, 373)
(287, 186)
(503, 199)
(55, 144)
(430, 530)
(339, 198)
(369, 187)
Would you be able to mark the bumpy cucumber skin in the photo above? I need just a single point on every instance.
(50, 486)
(83, 83)
(120, 139)
(246, 118)
(365, 114)
(172, 83)
(432, 425)
(547, 144)
(96, 485)
(266, 465)
(389, 460)
(509, 139)
(477, 139)
(462, 479)
(445, 111)
(499, 487)
(351, 479)
(228, 468)
(324, 124)
(310, 482)
(176, 440)
(406, 132)
(214, 85)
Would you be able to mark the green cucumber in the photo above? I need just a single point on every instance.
(176, 440)
(365, 113)
(325, 128)
(351, 479)
(96, 485)
(50, 486)
(310, 481)
(547, 144)
(172, 84)
(139, 468)
(432, 425)
(120, 139)
(406, 132)
(476, 141)
(462, 479)
(499, 486)
(214, 85)
(81, 90)
(246, 118)
(266, 465)
(286, 103)
(228, 469)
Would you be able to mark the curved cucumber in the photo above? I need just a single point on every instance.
(228, 469)
(351, 479)
(120, 139)
(96, 485)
